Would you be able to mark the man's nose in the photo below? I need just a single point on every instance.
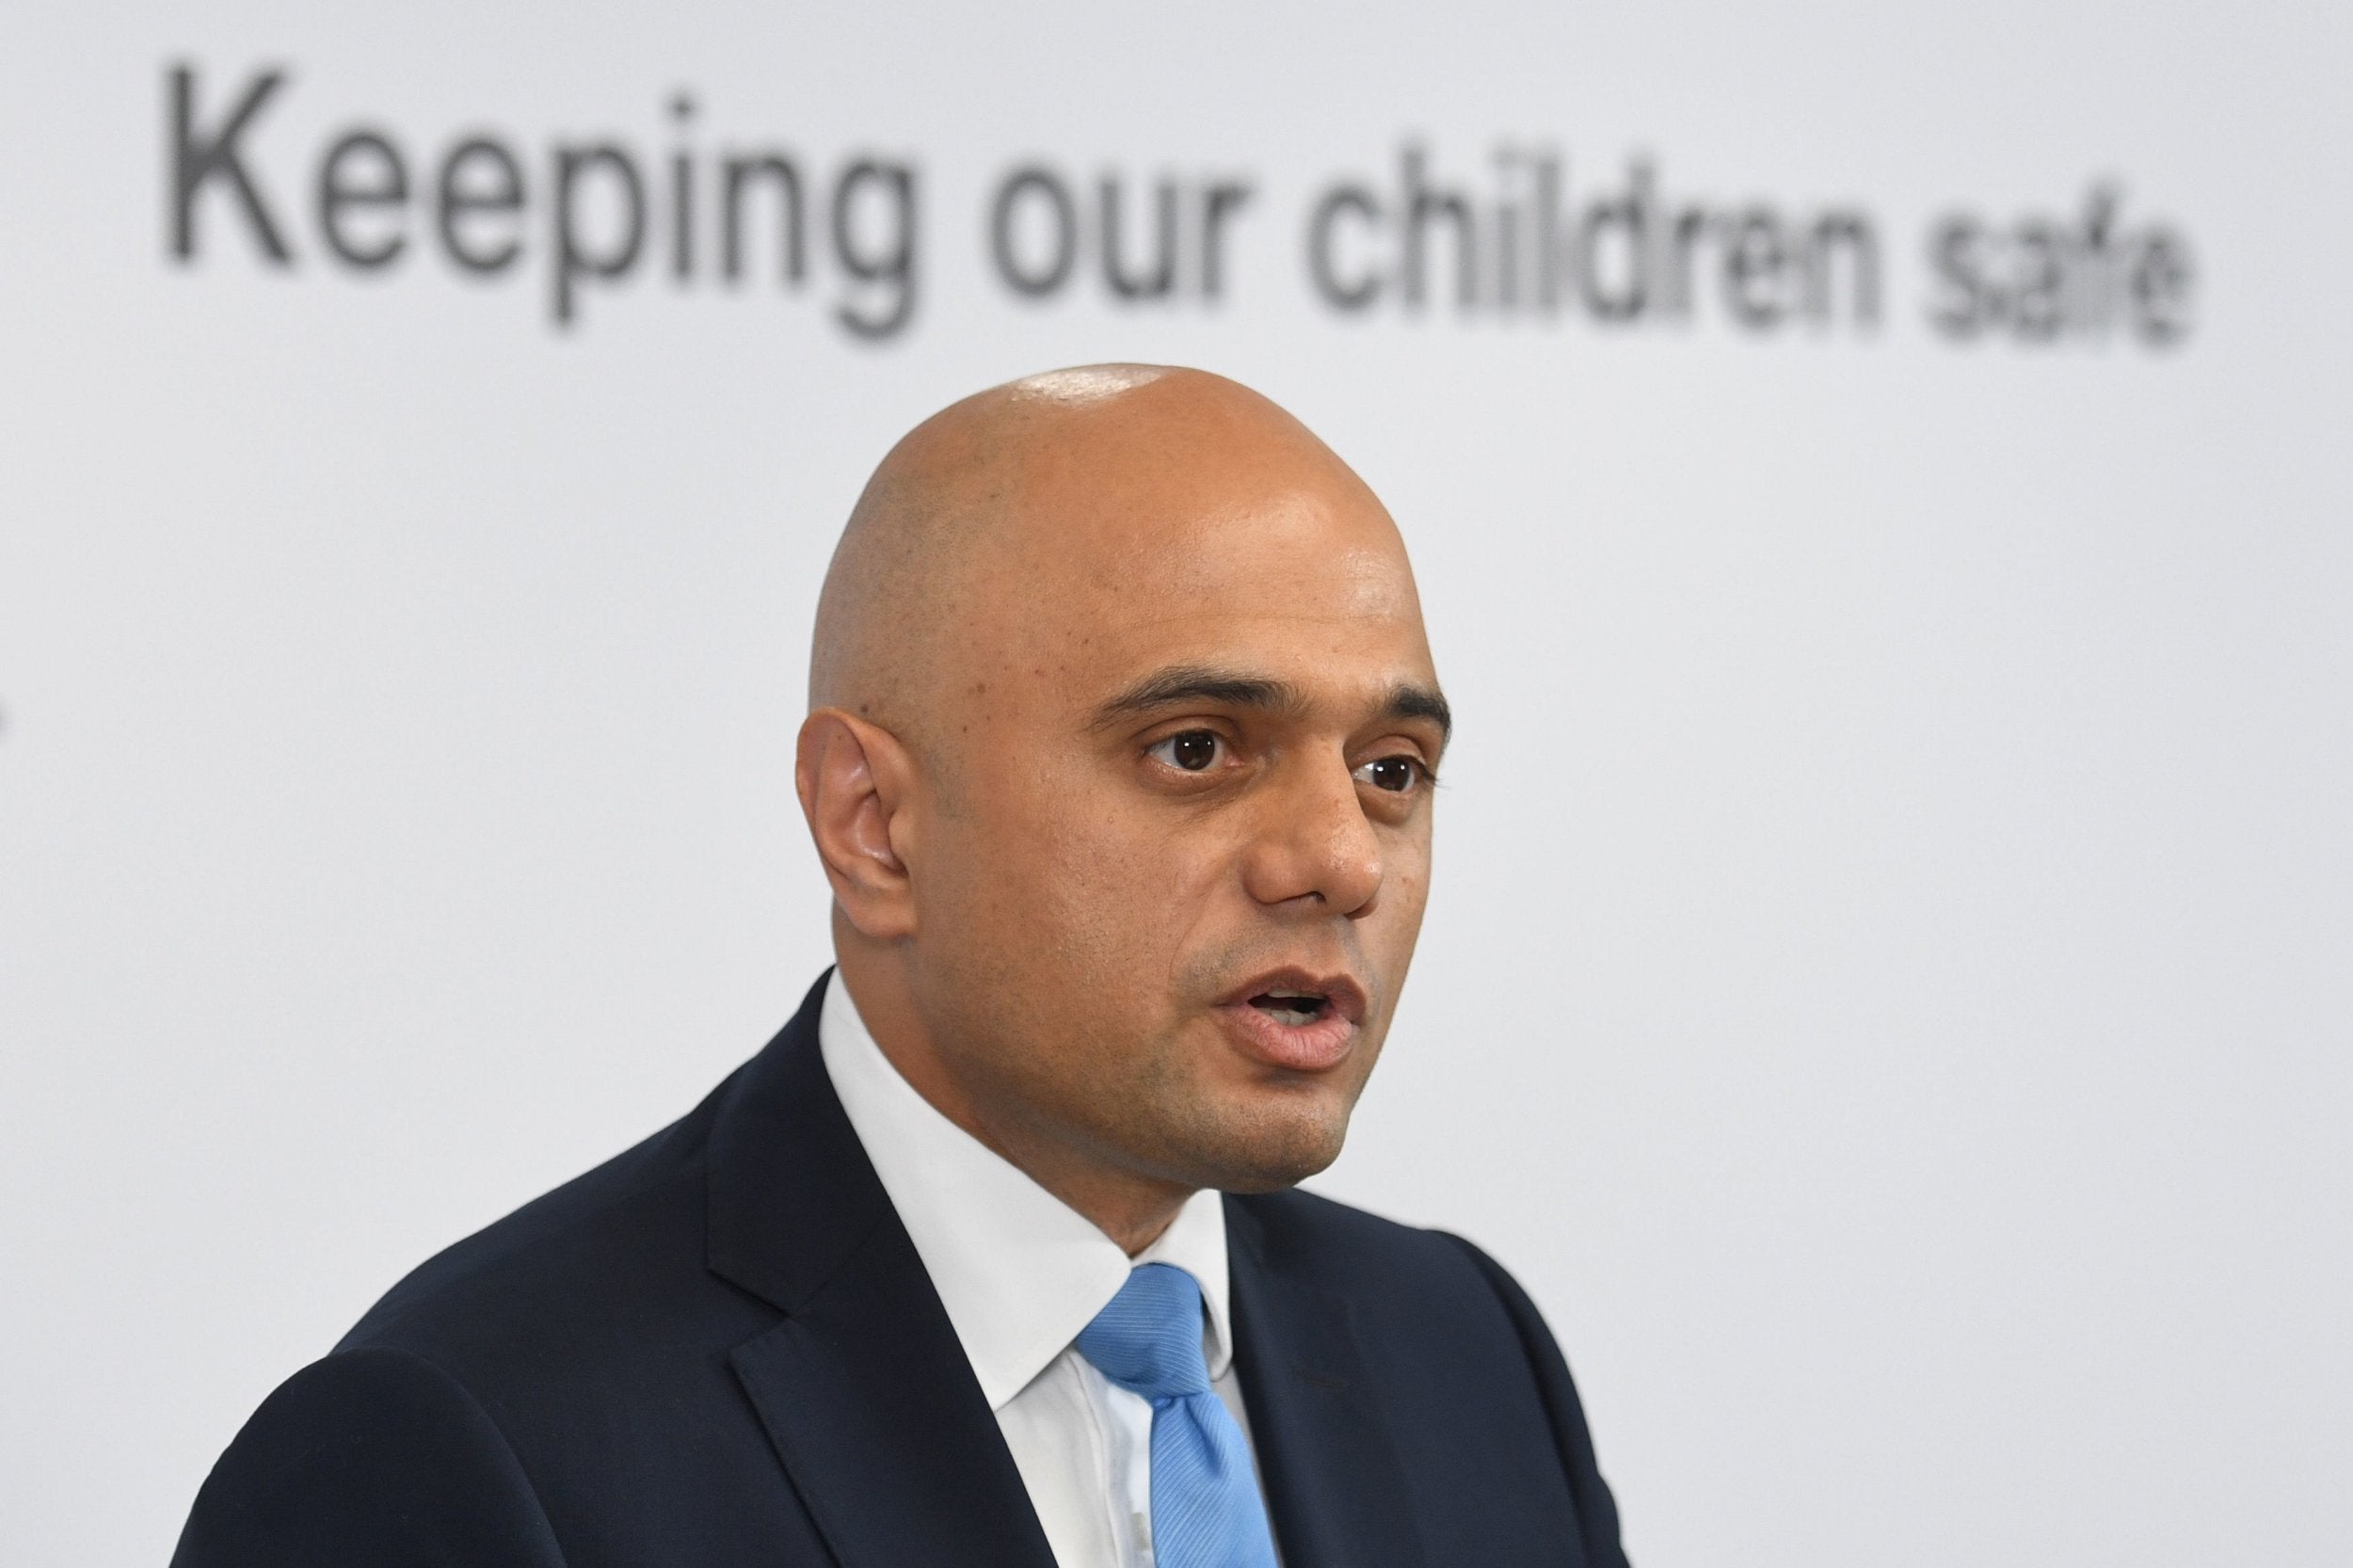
(1313, 842)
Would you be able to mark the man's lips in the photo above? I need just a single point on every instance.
(1294, 1018)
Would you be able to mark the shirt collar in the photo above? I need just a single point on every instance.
(1020, 1270)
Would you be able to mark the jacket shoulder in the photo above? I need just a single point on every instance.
(1400, 1283)
(579, 1268)
(369, 1456)
(1452, 1332)
(1339, 1246)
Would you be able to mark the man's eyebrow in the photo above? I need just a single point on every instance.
(1409, 701)
(1196, 683)
(1201, 684)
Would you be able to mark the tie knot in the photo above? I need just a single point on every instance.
(1148, 1340)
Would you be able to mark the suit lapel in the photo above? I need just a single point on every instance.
(1335, 1485)
(864, 1388)
(878, 1417)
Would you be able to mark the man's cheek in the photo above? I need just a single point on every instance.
(1408, 887)
(1119, 862)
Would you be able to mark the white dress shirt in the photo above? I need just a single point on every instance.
(1020, 1273)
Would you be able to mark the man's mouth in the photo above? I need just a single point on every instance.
(1292, 1009)
(1296, 1018)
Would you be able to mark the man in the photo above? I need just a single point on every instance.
(1122, 735)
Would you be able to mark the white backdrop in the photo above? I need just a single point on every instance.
(1889, 978)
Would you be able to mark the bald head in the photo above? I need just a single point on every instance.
(1056, 483)
(1121, 736)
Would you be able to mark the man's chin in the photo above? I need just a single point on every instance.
(1272, 1148)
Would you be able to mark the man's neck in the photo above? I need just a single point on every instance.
(1130, 1207)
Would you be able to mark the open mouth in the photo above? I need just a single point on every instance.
(1298, 1020)
(1292, 1009)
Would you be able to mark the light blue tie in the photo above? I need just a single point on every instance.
(1205, 1509)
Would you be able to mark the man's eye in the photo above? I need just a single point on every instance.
(1395, 774)
(1193, 751)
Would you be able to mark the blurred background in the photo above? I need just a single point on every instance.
(1878, 479)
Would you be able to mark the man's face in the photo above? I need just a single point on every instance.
(1175, 841)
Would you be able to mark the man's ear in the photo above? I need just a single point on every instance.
(854, 780)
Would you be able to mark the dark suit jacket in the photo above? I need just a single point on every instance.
(721, 1349)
